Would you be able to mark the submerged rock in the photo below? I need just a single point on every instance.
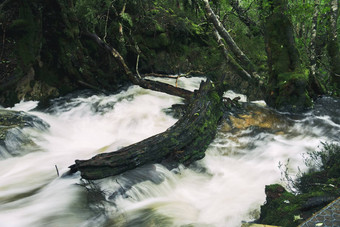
(14, 132)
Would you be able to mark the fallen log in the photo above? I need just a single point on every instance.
(184, 142)
(148, 84)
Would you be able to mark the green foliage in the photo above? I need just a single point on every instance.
(324, 165)
(127, 18)
(174, 36)
(310, 191)
(91, 13)
(252, 45)
(26, 30)
(327, 157)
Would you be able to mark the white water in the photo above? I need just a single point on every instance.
(223, 189)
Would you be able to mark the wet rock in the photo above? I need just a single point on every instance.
(328, 106)
(13, 132)
(259, 117)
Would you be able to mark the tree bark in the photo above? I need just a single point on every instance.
(184, 142)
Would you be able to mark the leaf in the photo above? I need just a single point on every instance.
(127, 18)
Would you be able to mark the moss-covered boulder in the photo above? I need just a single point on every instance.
(291, 92)
(314, 190)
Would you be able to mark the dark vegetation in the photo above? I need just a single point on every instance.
(308, 193)
(291, 46)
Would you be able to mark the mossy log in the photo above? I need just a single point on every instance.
(184, 142)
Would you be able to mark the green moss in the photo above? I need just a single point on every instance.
(214, 95)
(163, 39)
(295, 77)
(159, 27)
(173, 140)
(291, 91)
(21, 25)
(273, 187)
(281, 209)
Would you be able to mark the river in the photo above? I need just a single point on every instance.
(225, 188)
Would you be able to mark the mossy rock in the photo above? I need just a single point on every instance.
(283, 208)
(315, 189)
(291, 92)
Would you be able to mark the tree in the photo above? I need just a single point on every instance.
(288, 78)
(333, 43)
(245, 18)
(238, 53)
(43, 54)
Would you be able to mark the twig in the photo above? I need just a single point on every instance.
(106, 21)
(137, 61)
(246, 10)
(186, 75)
(56, 168)
(159, 75)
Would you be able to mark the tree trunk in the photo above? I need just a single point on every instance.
(239, 55)
(184, 142)
(313, 57)
(255, 85)
(333, 44)
(288, 80)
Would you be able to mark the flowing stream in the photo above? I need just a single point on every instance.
(223, 189)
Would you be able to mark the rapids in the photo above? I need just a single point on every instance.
(223, 189)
